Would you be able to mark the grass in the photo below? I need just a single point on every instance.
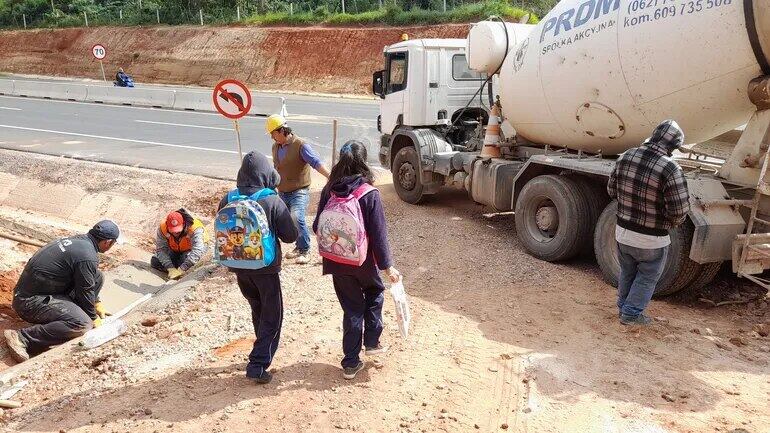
(394, 16)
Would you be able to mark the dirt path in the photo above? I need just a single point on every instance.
(500, 342)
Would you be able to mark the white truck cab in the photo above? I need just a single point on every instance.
(426, 83)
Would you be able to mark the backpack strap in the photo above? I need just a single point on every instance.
(262, 193)
(362, 190)
(234, 195)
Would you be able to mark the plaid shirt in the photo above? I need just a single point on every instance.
(650, 188)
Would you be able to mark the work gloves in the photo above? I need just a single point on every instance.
(174, 274)
(98, 322)
(101, 311)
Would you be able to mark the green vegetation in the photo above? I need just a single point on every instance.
(73, 13)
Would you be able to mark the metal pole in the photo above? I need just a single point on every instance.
(53, 8)
(238, 138)
(343, 6)
(86, 17)
(444, 6)
(121, 14)
(157, 14)
(200, 12)
(238, 12)
(291, 8)
(104, 77)
(334, 142)
(24, 17)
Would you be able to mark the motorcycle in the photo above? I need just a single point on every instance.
(127, 82)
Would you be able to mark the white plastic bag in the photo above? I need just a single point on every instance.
(402, 306)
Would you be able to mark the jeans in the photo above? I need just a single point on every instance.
(640, 270)
(57, 320)
(361, 300)
(263, 292)
(297, 202)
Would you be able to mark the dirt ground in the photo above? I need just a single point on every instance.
(273, 58)
(499, 342)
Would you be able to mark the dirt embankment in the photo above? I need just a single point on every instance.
(314, 59)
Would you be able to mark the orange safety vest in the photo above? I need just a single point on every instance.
(185, 242)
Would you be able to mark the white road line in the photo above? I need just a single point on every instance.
(154, 143)
(185, 125)
(10, 108)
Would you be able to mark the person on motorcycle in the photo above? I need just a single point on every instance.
(121, 78)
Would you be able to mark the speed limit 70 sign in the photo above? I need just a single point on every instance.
(99, 51)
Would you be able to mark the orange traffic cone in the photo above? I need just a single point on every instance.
(491, 147)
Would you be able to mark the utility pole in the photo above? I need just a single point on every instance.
(343, 6)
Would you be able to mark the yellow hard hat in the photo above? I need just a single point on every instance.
(274, 122)
(404, 37)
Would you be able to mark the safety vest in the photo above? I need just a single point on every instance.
(185, 242)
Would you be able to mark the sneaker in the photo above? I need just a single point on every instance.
(303, 258)
(351, 372)
(640, 320)
(293, 254)
(17, 347)
(265, 378)
(377, 350)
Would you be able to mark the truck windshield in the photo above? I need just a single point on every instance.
(461, 71)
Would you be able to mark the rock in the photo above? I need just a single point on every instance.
(722, 345)
(527, 410)
(148, 411)
(738, 341)
(476, 426)
(444, 411)
(504, 426)
(151, 321)
(404, 424)
(762, 329)
(667, 397)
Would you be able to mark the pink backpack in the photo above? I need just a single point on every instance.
(341, 234)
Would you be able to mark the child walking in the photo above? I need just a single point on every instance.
(352, 258)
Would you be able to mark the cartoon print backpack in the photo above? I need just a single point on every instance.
(244, 238)
(341, 234)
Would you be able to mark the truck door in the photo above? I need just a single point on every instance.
(392, 106)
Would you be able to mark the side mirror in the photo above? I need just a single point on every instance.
(378, 83)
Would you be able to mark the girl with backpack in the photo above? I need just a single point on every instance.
(353, 241)
(255, 207)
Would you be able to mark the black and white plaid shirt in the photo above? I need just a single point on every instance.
(649, 185)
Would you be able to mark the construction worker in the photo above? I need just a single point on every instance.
(179, 244)
(652, 198)
(293, 159)
(58, 291)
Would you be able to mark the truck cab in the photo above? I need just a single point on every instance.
(425, 83)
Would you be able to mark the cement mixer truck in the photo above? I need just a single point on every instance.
(591, 80)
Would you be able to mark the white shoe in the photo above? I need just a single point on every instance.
(374, 351)
(303, 258)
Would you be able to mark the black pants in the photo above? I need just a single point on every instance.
(361, 300)
(176, 258)
(264, 295)
(57, 320)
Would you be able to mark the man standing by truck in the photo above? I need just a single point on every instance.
(652, 196)
(293, 159)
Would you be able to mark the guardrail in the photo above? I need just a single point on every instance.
(190, 100)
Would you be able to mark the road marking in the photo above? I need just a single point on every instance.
(295, 119)
(10, 108)
(128, 140)
(184, 125)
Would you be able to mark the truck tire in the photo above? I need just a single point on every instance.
(552, 218)
(680, 270)
(406, 175)
(707, 274)
(596, 199)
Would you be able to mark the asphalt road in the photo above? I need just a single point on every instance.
(180, 141)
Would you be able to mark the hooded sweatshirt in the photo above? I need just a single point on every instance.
(378, 254)
(255, 174)
(649, 185)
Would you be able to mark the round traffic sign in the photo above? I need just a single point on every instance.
(232, 99)
(99, 51)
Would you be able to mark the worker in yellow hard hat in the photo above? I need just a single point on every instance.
(293, 158)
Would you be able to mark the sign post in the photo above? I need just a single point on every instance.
(233, 100)
(100, 53)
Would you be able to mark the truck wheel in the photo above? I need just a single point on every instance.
(596, 199)
(406, 175)
(680, 270)
(552, 218)
(707, 274)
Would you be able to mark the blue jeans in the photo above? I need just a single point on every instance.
(297, 202)
(640, 270)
